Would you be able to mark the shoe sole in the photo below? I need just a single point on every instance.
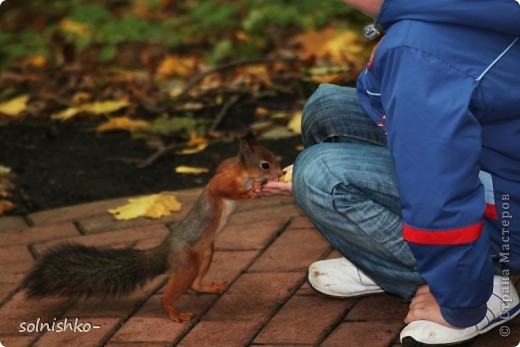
(409, 341)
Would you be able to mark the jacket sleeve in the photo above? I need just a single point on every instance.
(435, 141)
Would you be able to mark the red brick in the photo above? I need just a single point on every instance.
(17, 341)
(10, 223)
(38, 234)
(294, 250)
(371, 334)
(104, 223)
(303, 320)
(94, 336)
(266, 203)
(300, 223)
(14, 254)
(253, 297)
(6, 289)
(286, 212)
(151, 324)
(149, 243)
(21, 309)
(249, 236)
(138, 344)
(494, 338)
(227, 266)
(378, 307)
(14, 272)
(122, 237)
(116, 307)
(211, 334)
(74, 213)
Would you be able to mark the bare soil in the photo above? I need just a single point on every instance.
(59, 164)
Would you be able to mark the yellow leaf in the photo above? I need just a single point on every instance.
(6, 206)
(66, 114)
(196, 144)
(149, 206)
(14, 106)
(193, 150)
(122, 123)
(295, 123)
(191, 170)
(36, 61)
(71, 26)
(100, 107)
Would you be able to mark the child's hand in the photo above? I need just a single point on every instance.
(282, 187)
(274, 188)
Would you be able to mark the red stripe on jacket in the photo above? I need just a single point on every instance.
(443, 237)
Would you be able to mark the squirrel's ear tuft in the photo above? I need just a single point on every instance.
(250, 138)
(246, 149)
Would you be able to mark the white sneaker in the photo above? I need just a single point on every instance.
(501, 307)
(340, 278)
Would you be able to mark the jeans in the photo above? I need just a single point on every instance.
(345, 183)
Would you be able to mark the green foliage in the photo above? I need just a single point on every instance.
(208, 26)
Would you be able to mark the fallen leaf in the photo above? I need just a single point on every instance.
(150, 206)
(295, 123)
(74, 27)
(38, 61)
(191, 170)
(277, 132)
(66, 114)
(176, 65)
(14, 106)
(333, 47)
(6, 206)
(97, 108)
(102, 107)
(122, 123)
(193, 150)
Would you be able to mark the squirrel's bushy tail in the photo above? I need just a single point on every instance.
(74, 270)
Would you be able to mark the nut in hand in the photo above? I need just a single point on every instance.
(287, 176)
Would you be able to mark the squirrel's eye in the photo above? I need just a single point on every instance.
(265, 165)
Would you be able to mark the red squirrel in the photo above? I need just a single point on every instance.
(74, 270)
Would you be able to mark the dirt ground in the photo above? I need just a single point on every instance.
(58, 164)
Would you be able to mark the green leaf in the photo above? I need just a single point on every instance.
(91, 13)
(107, 53)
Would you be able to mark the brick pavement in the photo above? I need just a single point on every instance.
(263, 255)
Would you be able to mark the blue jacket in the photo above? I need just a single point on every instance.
(444, 82)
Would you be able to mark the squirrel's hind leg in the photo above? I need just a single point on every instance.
(203, 270)
(180, 281)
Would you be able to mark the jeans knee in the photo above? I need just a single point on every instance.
(313, 106)
(306, 167)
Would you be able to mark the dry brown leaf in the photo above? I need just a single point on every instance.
(6, 206)
(334, 46)
(174, 65)
(15, 106)
(122, 123)
(150, 206)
